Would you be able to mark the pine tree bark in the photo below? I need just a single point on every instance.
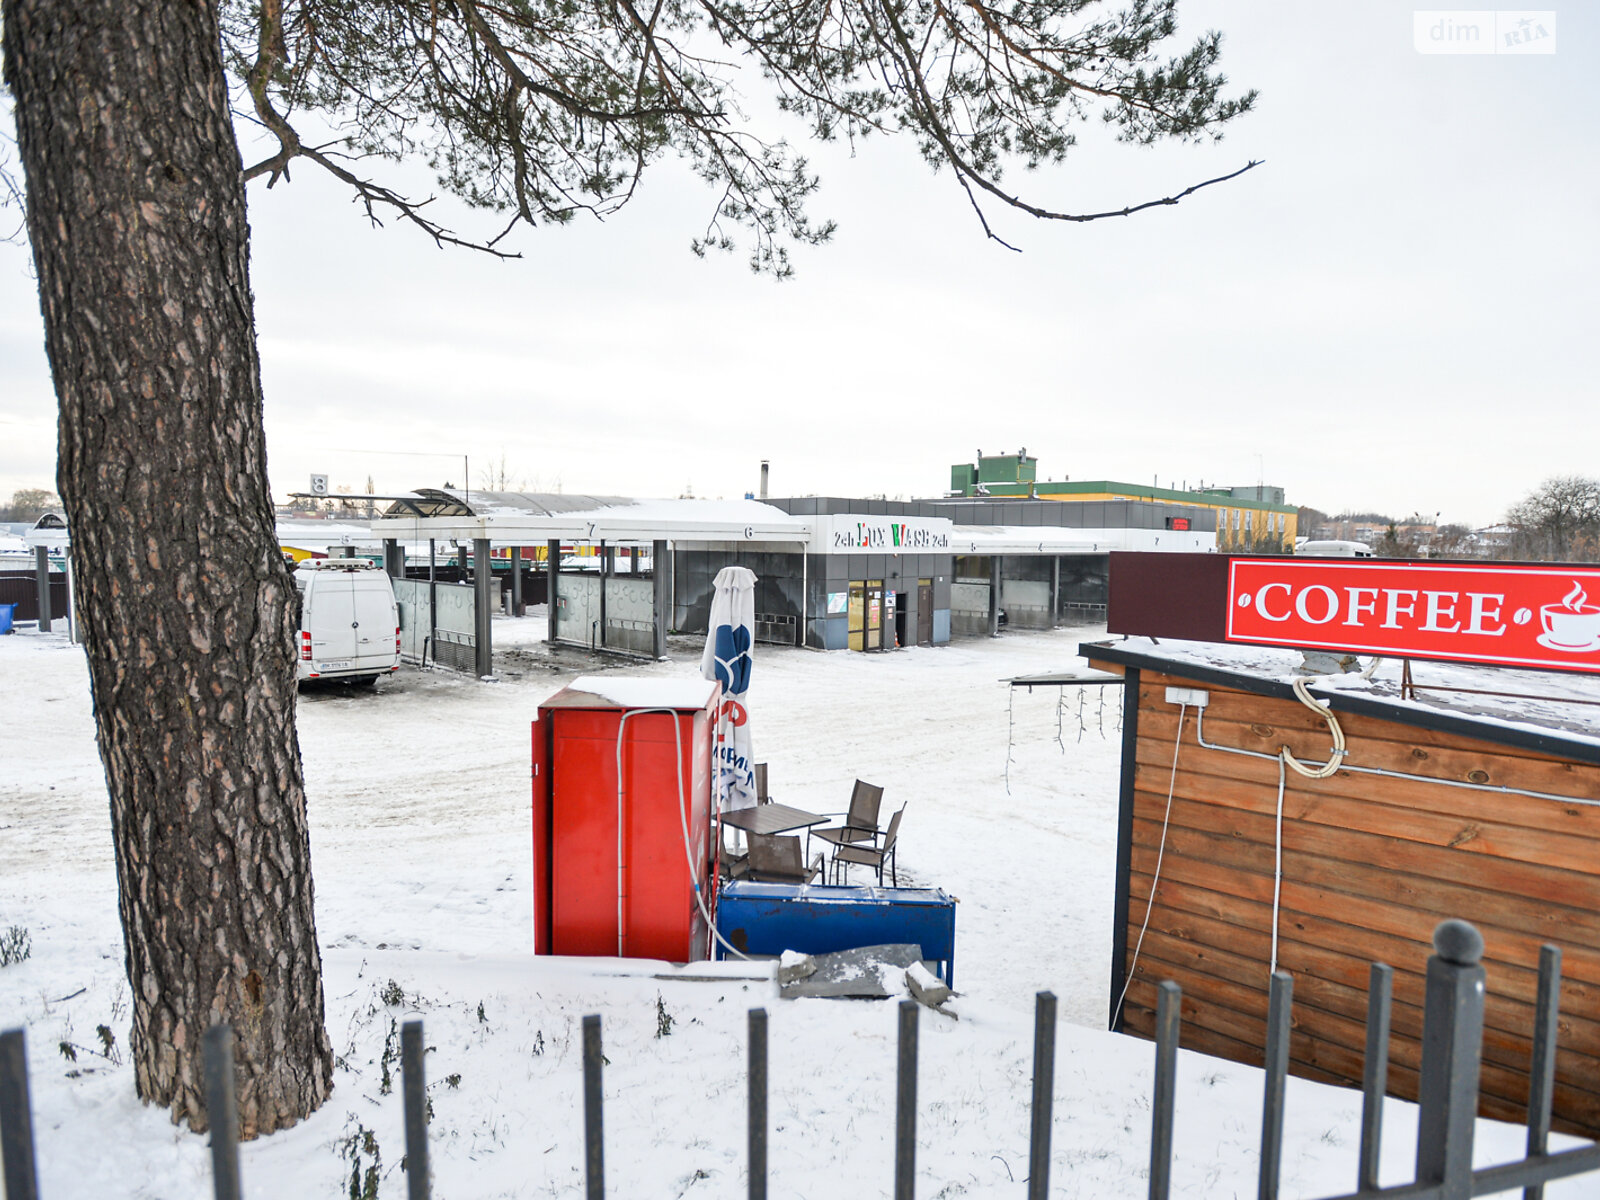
(136, 213)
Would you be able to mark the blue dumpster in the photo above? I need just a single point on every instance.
(6, 612)
(769, 918)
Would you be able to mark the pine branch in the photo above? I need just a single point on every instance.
(968, 175)
(270, 51)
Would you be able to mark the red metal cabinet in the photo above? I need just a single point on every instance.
(596, 893)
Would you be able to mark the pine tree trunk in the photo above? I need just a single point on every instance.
(136, 213)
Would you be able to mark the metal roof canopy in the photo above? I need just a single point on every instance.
(515, 519)
(1078, 678)
(521, 519)
(1051, 539)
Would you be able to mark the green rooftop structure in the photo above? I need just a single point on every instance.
(994, 469)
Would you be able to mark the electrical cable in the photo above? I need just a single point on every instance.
(1161, 850)
(1322, 709)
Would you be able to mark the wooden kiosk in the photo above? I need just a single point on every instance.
(1428, 813)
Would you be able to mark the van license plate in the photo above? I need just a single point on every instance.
(333, 666)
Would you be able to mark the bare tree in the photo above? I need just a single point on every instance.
(1397, 541)
(29, 504)
(1559, 521)
(498, 477)
(1451, 541)
(1263, 538)
(1310, 521)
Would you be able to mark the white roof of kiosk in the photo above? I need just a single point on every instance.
(523, 518)
(1049, 539)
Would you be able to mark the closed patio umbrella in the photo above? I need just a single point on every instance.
(730, 639)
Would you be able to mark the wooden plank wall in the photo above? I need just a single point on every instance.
(1370, 866)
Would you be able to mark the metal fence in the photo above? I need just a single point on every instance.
(776, 629)
(22, 589)
(1448, 1101)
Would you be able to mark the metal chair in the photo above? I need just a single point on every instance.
(777, 858)
(732, 865)
(761, 784)
(870, 856)
(860, 823)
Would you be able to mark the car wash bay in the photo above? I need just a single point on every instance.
(595, 606)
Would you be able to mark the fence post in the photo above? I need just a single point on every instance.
(21, 1173)
(41, 569)
(1279, 1003)
(1542, 1070)
(1044, 1084)
(414, 1087)
(757, 1108)
(905, 1124)
(1452, 1045)
(1375, 1074)
(593, 1140)
(221, 1114)
(1169, 998)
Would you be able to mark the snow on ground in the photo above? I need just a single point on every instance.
(418, 797)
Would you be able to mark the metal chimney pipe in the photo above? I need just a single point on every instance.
(763, 479)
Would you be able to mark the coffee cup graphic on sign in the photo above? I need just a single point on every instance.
(1572, 624)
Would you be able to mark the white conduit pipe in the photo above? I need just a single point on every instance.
(1500, 789)
(1277, 861)
(683, 820)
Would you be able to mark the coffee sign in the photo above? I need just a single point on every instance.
(1534, 616)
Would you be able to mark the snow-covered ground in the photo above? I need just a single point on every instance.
(418, 798)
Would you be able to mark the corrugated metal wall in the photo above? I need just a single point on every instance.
(22, 589)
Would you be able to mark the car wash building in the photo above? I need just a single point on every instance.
(834, 573)
(877, 574)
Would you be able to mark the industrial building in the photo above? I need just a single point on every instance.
(1248, 517)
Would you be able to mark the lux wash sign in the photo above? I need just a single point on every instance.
(858, 534)
(1518, 616)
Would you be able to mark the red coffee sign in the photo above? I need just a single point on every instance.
(1514, 616)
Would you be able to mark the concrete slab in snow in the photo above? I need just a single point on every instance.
(866, 973)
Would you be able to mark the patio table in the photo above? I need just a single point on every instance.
(771, 818)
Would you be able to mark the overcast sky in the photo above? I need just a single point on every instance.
(1396, 312)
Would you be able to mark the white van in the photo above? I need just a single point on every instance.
(349, 623)
(1334, 549)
